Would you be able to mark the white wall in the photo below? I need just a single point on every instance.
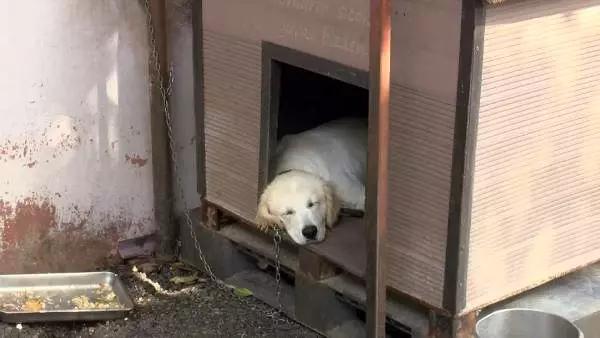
(74, 128)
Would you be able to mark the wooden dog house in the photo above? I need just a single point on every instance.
(494, 133)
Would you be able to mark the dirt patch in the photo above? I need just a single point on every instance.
(201, 310)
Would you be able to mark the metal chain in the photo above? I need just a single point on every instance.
(276, 245)
(277, 315)
(165, 94)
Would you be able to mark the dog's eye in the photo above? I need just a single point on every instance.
(289, 212)
(310, 204)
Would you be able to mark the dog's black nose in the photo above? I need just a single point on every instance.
(309, 231)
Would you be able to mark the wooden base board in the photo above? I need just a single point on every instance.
(261, 244)
(345, 248)
(399, 314)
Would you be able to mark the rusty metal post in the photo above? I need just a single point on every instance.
(377, 201)
(161, 165)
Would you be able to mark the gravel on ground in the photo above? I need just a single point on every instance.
(201, 309)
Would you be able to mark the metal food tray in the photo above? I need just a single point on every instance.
(57, 290)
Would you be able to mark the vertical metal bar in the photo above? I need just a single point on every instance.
(377, 208)
(161, 166)
(198, 57)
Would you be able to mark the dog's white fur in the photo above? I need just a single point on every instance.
(322, 170)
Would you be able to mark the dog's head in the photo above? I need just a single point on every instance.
(303, 204)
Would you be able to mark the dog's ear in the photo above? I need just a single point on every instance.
(264, 218)
(332, 206)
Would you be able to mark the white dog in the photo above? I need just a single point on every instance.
(318, 172)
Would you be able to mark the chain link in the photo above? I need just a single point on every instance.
(276, 245)
(165, 94)
(277, 315)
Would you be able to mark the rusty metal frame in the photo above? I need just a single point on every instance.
(377, 192)
(463, 158)
(198, 59)
(161, 156)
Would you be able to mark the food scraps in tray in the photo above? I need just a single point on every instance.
(24, 301)
(102, 297)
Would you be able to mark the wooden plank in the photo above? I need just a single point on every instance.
(260, 243)
(210, 215)
(345, 246)
(315, 266)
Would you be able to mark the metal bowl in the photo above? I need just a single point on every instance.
(525, 323)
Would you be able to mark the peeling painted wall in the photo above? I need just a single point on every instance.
(75, 173)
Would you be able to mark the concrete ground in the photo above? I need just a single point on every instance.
(197, 310)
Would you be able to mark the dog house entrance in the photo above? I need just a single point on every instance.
(300, 92)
